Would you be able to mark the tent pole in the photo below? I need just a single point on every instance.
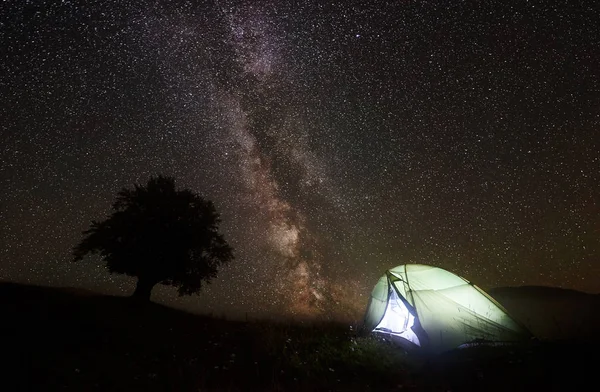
(412, 298)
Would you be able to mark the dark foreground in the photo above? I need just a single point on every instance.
(53, 340)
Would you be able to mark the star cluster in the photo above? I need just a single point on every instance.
(336, 139)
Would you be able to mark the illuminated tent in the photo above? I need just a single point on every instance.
(434, 309)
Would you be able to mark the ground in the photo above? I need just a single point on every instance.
(66, 341)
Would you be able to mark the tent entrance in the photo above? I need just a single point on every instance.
(397, 320)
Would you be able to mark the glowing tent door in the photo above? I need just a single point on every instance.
(397, 320)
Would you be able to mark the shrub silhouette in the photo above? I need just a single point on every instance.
(160, 235)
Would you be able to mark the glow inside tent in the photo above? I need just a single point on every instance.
(438, 310)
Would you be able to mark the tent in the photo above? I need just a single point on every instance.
(431, 308)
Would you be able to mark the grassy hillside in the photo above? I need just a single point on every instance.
(67, 340)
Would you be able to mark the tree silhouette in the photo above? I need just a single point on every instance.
(160, 235)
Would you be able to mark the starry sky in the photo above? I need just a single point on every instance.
(337, 139)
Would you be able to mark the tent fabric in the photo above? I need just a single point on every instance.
(447, 309)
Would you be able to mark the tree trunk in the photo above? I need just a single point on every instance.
(143, 289)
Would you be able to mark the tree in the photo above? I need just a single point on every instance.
(160, 235)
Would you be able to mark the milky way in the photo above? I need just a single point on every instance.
(336, 140)
(295, 261)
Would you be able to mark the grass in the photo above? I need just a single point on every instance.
(61, 341)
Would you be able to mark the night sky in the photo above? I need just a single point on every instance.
(336, 140)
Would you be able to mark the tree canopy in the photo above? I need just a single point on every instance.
(160, 235)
